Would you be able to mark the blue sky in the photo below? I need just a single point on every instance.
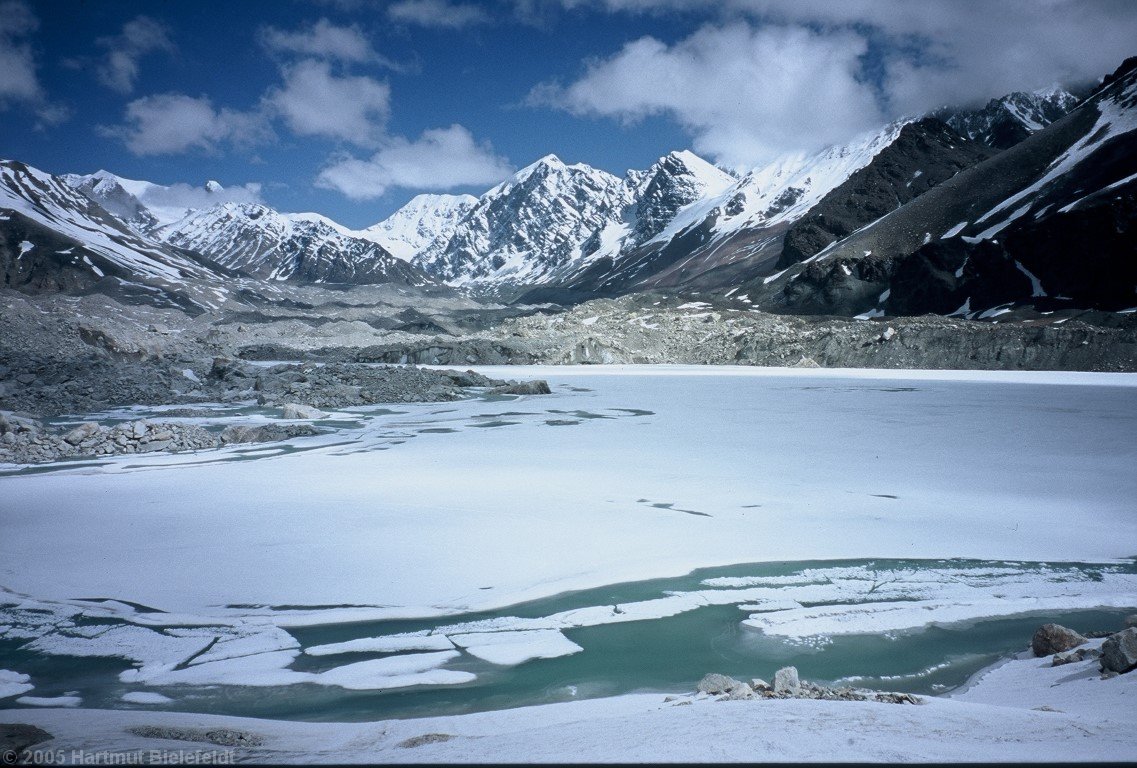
(350, 107)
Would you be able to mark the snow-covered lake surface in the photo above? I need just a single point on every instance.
(895, 529)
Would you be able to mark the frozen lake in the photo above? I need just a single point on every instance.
(417, 531)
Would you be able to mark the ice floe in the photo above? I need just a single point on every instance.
(50, 701)
(145, 697)
(389, 644)
(13, 683)
(510, 648)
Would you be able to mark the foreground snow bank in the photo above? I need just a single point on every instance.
(1021, 711)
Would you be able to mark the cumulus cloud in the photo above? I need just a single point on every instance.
(762, 76)
(118, 70)
(186, 196)
(440, 159)
(950, 51)
(315, 102)
(315, 98)
(437, 13)
(323, 40)
(172, 123)
(939, 51)
(311, 101)
(744, 93)
(19, 83)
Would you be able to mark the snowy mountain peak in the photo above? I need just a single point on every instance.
(116, 195)
(674, 182)
(145, 205)
(542, 167)
(423, 220)
(695, 166)
(529, 225)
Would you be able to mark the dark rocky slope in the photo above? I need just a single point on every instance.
(924, 155)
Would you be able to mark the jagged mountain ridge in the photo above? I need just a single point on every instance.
(740, 228)
(258, 241)
(53, 238)
(528, 226)
(1006, 121)
(653, 200)
(729, 229)
(247, 237)
(674, 182)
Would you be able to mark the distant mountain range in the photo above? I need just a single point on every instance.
(1028, 199)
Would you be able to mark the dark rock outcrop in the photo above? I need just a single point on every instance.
(15, 737)
(1054, 638)
(1119, 651)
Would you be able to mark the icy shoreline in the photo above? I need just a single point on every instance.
(1021, 710)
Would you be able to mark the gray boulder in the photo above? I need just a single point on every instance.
(1078, 654)
(786, 680)
(1054, 638)
(264, 433)
(244, 433)
(82, 432)
(741, 692)
(534, 387)
(467, 378)
(1119, 651)
(715, 684)
(17, 425)
(224, 367)
(298, 411)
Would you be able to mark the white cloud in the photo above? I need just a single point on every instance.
(437, 13)
(440, 159)
(172, 123)
(323, 40)
(19, 83)
(944, 51)
(765, 76)
(744, 94)
(186, 196)
(119, 69)
(952, 51)
(315, 102)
